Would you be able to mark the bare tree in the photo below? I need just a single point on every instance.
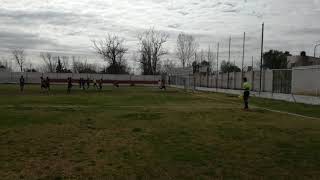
(202, 56)
(210, 57)
(5, 64)
(151, 49)
(186, 48)
(49, 61)
(82, 66)
(65, 62)
(167, 66)
(30, 67)
(112, 50)
(19, 56)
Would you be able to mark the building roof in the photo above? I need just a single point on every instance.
(297, 61)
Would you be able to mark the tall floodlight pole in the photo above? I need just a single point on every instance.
(195, 71)
(229, 61)
(229, 49)
(252, 63)
(217, 76)
(242, 64)
(261, 60)
(315, 49)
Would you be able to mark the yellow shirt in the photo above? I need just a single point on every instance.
(247, 86)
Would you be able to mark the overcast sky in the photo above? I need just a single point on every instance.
(68, 26)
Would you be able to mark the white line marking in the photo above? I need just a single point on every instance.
(271, 110)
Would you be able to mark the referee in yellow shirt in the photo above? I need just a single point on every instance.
(246, 93)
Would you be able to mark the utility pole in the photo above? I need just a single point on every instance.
(252, 72)
(209, 66)
(261, 60)
(229, 49)
(195, 70)
(229, 61)
(244, 41)
(210, 58)
(217, 75)
(315, 49)
(252, 63)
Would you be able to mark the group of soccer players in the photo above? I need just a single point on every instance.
(45, 83)
(85, 84)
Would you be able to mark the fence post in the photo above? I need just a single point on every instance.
(26, 76)
(252, 79)
(263, 80)
(234, 80)
(208, 79)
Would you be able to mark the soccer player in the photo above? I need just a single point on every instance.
(88, 83)
(116, 84)
(163, 84)
(43, 86)
(83, 82)
(95, 84)
(69, 84)
(100, 84)
(48, 83)
(246, 93)
(80, 83)
(21, 83)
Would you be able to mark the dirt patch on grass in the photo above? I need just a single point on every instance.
(148, 116)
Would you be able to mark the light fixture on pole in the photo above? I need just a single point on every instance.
(315, 48)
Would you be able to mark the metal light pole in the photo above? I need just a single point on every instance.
(229, 61)
(261, 60)
(242, 64)
(217, 75)
(229, 49)
(315, 48)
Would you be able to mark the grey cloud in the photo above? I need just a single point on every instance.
(215, 5)
(174, 26)
(38, 17)
(184, 13)
(231, 10)
(34, 43)
(311, 31)
(75, 23)
(22, 40)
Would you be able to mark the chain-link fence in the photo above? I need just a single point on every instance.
(274, 81)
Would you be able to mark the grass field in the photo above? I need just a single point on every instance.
(145, 133)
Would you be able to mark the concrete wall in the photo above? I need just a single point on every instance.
(34, 78)
(268, 81)
(306, 80)
(235, 80)
(268, 95)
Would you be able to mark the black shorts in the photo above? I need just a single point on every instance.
(246, 95)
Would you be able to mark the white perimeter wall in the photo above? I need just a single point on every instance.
(235, 80)
(13, 77)
(306, 80)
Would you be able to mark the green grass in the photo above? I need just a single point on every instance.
(145, 133)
